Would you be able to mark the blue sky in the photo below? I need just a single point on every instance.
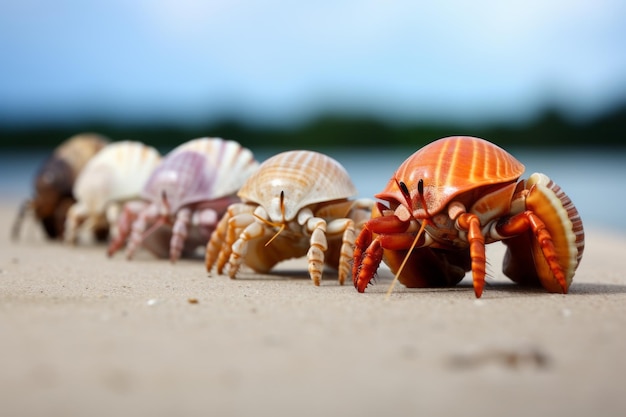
(281, 62)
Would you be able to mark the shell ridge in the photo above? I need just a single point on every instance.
(116, 173)
(205, 169)
(305, 177)
(450, 164)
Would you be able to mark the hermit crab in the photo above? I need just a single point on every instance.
(54, 181)
(453, 196)
(296, 204)
(113, 177)
(184, 198)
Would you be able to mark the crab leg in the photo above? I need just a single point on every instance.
(76, 216)
(130, 211)
(346, 227)
(526, 220)
(216, 242)
(179, 233)
(368, 250)
(139, 226)
(251, 230)
(318, 244)
(471, 224)
(366, 262)
(218, 248)
(545, 241)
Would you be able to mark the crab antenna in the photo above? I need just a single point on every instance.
(160, 222)
(406, 258)
(282, 225)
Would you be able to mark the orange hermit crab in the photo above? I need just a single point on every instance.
(449, 199)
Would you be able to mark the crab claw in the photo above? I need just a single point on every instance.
(365, 262)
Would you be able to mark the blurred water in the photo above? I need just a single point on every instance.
(593, 180)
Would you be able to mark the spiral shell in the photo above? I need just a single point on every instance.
(302, 177)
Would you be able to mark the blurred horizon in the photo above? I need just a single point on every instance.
(549, 129)
(340, 73)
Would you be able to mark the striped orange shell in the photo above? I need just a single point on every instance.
(448, 167)
(304, 177)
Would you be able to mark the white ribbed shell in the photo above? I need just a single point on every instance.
(200, 170)
(118, 172)
(305, 178)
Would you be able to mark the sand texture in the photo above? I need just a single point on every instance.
(84, 335)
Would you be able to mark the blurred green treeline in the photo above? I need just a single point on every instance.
(550, 129)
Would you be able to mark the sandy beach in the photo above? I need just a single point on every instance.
(84, 335)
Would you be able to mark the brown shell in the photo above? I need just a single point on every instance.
(54, 181)
(79, 149)
(449, 167)
(57, 175)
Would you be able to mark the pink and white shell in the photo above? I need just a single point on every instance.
(200, 170)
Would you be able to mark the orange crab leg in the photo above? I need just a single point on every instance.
(390, 234)
(361, 243)
(366, 263)
(471, 224)
(526, 220)
(368, 251)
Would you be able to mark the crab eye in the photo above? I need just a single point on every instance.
(405, 193)
(420, 193)
(405, 189)
(282, 204)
